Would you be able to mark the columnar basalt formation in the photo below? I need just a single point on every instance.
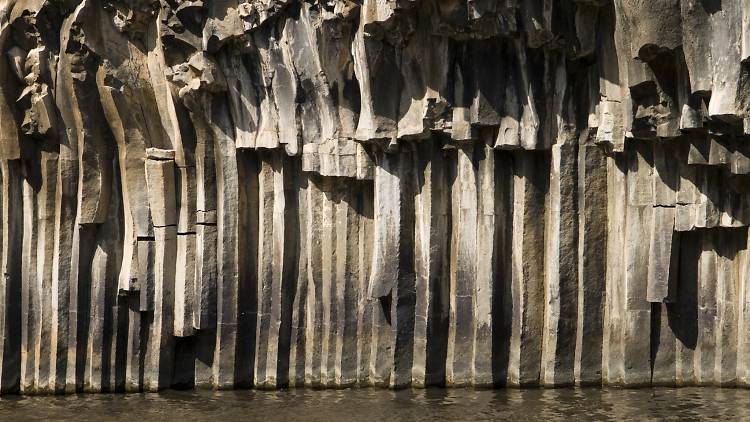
(270, 193)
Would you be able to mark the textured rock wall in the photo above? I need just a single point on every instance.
(329, 193)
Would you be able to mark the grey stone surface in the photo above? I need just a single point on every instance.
(271, 193)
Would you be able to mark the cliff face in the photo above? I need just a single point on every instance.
(373, 192)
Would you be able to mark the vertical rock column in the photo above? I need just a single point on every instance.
(160, 182)
(30, 294)
(10, 288)
(384, 276)
(432, 225)
(561, 266)
(463, 269)
(276, 269)
(638, 215)
(488, 266)
(592, 262)
(529, 187)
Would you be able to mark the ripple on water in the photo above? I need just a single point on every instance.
(385, 405)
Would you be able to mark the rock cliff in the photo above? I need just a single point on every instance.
(269, 193)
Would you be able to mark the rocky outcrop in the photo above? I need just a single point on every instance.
(269, 193)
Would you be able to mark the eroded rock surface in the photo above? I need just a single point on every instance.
(268, 193)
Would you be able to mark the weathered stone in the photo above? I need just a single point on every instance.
(277, 193)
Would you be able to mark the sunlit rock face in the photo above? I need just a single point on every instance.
(274, 193)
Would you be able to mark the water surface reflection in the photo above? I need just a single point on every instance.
(385, 405)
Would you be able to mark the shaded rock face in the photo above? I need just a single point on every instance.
(269, 193)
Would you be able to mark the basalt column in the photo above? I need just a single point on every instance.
(306, 193)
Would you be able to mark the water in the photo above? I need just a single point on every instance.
(384, 405)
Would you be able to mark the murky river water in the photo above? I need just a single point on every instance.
(383, 405)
